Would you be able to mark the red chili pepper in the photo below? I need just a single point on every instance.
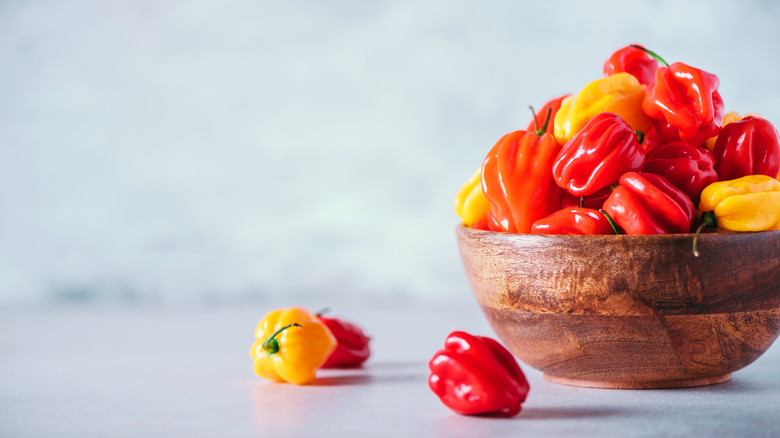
(687, 167)
(574, 220)
(686, 98)
(517, 180)
(645, 203)
(632, 60)
(594, 201)
(749, 146)
(597, 155)
(476, 375)
(352, 347)
(538, 120)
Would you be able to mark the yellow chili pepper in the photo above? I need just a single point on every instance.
(750, 203)
(727, 118)
(471, 205)
(291, 344)
(620, 94)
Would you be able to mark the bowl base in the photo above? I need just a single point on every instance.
(658, 384)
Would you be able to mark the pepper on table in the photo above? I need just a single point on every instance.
(604, 149)
(352, 347)
(644, 203)
(475, 375)
(290, 345)
(517, 179)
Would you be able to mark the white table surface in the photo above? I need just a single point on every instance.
(158, 371)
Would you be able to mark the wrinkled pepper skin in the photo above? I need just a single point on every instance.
(352, 347)
(296, 352)
(553, 105)
(475, 375)
(687, 99)
(634, 61)
(594, 201)
(687, 167)
(470, 204)
(749, 203)
(750, 146)
(621, 94)
(517, 180)
(644, 203)
(604, 149)
(727, 118)
(573, 220)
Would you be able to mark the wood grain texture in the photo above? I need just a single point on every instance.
(628, 311)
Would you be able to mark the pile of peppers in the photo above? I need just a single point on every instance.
(645, 149)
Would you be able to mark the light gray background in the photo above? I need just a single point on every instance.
(226, 152)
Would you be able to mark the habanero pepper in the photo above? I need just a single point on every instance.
(290, 345)
(475, 375)
(470, 204)
(749, 146)
(687, 99)
(352, 347)
(620, 94)
(687, 167)
(644, 203)
(553, 105)
(604, 149)
(517, 180)
(633, 60)
(575, 220)
(727, 118)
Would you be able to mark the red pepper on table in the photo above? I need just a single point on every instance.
(597, 155)
(574, 220)
(645, 203)
(538, 120)
(632, 60)
(687, 167)
(352, 348)
(517, 179)
(476, 375)
(749, 146)
(686, 98)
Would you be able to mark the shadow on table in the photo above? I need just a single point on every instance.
(382, 372)
(559, 413)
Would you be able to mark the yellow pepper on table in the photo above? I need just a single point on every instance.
(620, 94)
(291, 344)
(471, 205)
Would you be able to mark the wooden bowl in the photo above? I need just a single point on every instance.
(628, 311)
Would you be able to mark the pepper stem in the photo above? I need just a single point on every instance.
(322, 312)
(546, 121)
(651, 53)
(708, 219)
(640, 136)
(271, 345)
(611, 222)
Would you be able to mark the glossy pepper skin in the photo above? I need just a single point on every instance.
(475, 375)
(574, 220)
(750, 146)
(634, 61)
(594, 201)
(352, 347)
(604, 149)
(517, 180)
(471, 205)
(621, 94)
(727, 118)
(291, 344)
(687, 167)
(749, 203)
(687, 99)
(644, 203)
(553, 105)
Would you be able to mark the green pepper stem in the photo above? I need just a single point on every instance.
(546, 121)
(322, 312)
(271, 345)
(611, 222)
(708, 219)
(651, 53)
(640, 136)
